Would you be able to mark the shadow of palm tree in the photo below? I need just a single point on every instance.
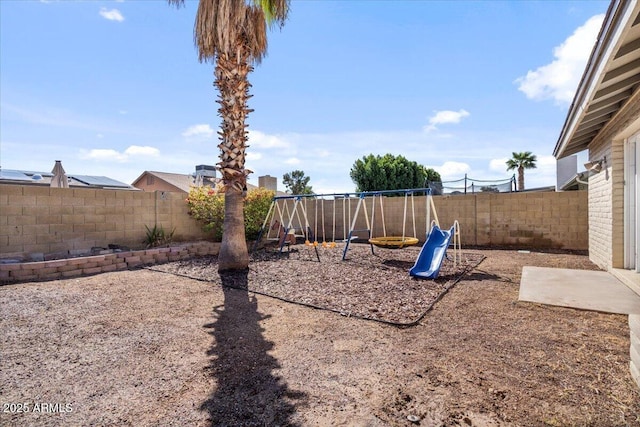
(479, 275)
(247, 392)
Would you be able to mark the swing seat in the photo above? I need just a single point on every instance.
(391, 242)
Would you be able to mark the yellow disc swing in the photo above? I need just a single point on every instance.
(384, 241)
(395, 242)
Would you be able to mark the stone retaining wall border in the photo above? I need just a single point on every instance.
(96, 264)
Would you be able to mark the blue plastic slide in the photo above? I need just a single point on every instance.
(431, 255)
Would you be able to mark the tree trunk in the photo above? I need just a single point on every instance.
(232, 71)
(520, 178)
(233, 249)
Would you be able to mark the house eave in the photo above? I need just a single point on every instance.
(610, 79)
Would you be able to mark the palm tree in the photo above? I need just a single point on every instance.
(233, 35)
(521, 161)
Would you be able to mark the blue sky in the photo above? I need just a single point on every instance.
(115, 88)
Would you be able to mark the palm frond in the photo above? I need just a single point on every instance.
(221, 24)
(275, 11)
(525, 160)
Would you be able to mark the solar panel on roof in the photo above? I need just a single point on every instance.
(99, 181)
(13, 175)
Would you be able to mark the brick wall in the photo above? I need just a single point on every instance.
(601, 200)
(58, 220)
(102, 263)
(616, 171)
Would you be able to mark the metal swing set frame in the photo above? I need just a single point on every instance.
(287, 219)
(385, 241)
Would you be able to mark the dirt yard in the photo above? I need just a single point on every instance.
(158, 348)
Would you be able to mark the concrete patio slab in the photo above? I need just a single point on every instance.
(582, 289)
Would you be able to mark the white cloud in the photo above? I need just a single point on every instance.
(445, 117)
(559, 79)
(498, 165)
(102, 154)
(136, 150)
(546, 163)
(452, 170)
(111, 15)
(292, 161)
(201, 130)
(108, 154)
(252, 155)
(261, 140)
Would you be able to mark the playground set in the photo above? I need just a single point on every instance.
(306, 216)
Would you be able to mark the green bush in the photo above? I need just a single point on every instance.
(256, 207)
(156, 236)
(207, 206)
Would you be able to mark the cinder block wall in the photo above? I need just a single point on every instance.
(524, 220)
(542, 220)
(52, 220)
(57, 220)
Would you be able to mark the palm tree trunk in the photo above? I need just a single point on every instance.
(232, 81)
(233, 249)
(520, 178)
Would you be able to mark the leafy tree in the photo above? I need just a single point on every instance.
(521, 161)
(206, 205)
(389, 172)
(233, 35)
(297, 183)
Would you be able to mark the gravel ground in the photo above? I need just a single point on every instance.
(365, 285)
(151, 348)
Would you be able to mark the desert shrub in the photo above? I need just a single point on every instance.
(206, 205)
(156, 236)
(256, 207)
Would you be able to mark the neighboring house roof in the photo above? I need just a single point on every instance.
(13, 176)
(182, 182)
(609, 83)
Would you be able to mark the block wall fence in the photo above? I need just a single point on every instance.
(62, 220)
(69, 220)
(536, 220)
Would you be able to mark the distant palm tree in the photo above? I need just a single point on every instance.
(233, 35)
(521, 161)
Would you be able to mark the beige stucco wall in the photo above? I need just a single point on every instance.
(53, 220)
